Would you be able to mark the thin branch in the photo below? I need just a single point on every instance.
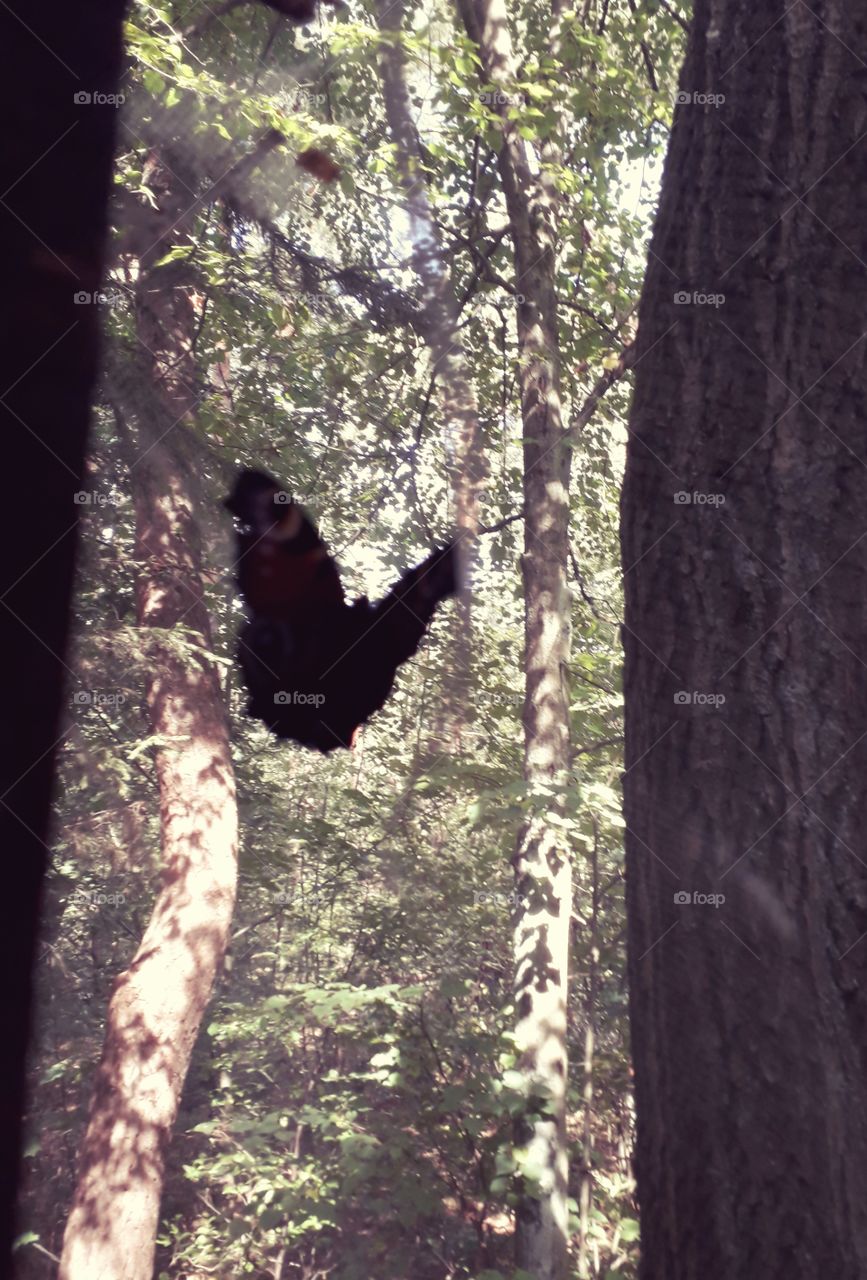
(580, 419)
(589, 747)
(645, 53)
(672, 13)
(501, 524)
(201, 24)
(585, 594)
(382, 299)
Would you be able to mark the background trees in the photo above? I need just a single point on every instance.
(350, 1102)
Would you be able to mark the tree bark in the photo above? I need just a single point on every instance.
(749, 1016)
(157, 1006)
(466, 458)
(585, 1189)
(55, 173)
(542, 859)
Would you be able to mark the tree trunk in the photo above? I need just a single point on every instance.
(55, 174)
(585, 1189)
(157, 1005)
(466, 458)
(747, 892)
(542, 859)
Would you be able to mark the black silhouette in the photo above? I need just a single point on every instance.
(317, 668)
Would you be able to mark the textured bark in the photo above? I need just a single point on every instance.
(55, 171)
(467, 463)
(157, 1006)
(749, 1019)
(542, 859)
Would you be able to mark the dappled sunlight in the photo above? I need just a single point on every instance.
(309, 1012)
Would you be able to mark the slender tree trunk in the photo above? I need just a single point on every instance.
(542, 859)
(450, 368)
(745, 556)
(157, 1006)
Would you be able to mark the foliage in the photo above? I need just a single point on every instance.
(349, 1107)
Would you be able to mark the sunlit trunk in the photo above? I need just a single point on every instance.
(542, 859)
(158, 1003)
(449, 367)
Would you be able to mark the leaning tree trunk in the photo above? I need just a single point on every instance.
(542, 858)
(157, 1006)
(746, 688)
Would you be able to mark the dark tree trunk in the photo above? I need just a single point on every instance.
(749, 1017)
(54, 179)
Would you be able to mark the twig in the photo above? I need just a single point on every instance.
(645, 53)
(201, 24)
(501, 524)
(597, 746)
(580, 419)
(672, 12)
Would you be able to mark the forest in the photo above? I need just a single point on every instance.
(510, 357)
